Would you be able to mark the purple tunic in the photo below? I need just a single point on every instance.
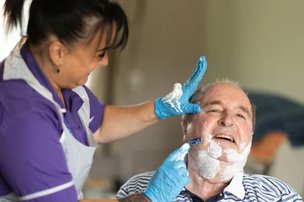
(31, 157)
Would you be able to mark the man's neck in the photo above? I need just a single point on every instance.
(204, 188)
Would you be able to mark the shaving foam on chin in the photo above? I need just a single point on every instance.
(208, 166)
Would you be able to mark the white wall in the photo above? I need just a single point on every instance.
(6, 42)
(259, 43)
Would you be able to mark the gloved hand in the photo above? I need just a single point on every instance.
(177, 101)
(170, 178)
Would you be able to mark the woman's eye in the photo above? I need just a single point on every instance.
(101, 55)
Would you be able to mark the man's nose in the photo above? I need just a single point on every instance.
(225, 120)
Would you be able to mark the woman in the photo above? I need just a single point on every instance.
(51, 122)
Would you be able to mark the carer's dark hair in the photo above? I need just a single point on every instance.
(69, 20)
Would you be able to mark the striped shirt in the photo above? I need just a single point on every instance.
(243, 187)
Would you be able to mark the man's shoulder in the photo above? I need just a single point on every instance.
(136, 184)
(268, 186)
(263, 180)
(143, 176)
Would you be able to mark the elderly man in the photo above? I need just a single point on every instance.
(216, 164)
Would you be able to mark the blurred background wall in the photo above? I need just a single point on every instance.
(256, 42)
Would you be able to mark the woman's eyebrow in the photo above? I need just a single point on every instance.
(103, 49)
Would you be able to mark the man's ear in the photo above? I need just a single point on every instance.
(184, 125)
(185, 138)
(56, 52)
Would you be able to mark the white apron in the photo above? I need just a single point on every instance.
(79, 157)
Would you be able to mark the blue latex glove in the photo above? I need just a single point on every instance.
(177, 101)
(170, 178)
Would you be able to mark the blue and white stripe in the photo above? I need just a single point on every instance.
(257, 188)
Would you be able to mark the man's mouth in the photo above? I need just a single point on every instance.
(224, 137)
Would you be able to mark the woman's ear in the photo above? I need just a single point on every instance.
(56, 52)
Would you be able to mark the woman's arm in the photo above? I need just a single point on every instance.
(122, 121)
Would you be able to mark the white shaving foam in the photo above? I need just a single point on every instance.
(208, 166)
(206, 163)
(233, 156)
(214, 149)
(237, 160)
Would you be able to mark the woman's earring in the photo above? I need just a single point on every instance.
(58, 68)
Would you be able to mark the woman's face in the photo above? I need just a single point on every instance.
(81, 59)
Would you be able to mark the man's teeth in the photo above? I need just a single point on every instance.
(225, 137)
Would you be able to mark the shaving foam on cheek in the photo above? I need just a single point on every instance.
(233, 156)
(214, 149)
(206, 161)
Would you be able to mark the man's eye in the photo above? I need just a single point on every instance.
(241, 116)
(213, 110)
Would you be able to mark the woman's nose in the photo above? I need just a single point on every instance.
(104, 61)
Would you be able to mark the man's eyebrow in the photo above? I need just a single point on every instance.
(214, 102)
(245, 109)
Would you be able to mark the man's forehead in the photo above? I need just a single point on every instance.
(220, 94)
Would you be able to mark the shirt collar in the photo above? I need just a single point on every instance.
(72, 100)
(236, 186)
